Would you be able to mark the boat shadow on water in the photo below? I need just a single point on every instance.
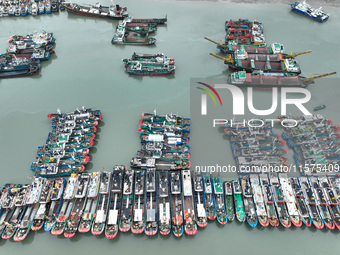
(140, 77)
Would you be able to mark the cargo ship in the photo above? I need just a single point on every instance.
(259, 200)
(262, 79)
(269, 200)
(138, 218)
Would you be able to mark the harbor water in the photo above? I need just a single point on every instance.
(87, 70)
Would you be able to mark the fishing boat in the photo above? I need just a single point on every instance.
(91, 204)
(332, 198)
(176, 204)
(290, 201)
(199, 200)
(97, 11)
(322, 201)
(302, 206)
(280, 204)
(44, 205)
(8, 204)
(228, 199)
(219, 199)
(259, 200)
(151, 215)
(172, 119)
(15, 217)
(66, 207)
(55, 207)
(260, 79)
(209, 197)
(72, 222)
(306, 10)
(249, 207)
(26, 222)
(126, 207)
(157, 21)
(190, 225)
(98, 225)
(239, 207)
(164, 203)
(113, 218)
(138, 220)
(319, 107)
(312, 203)
(269, 200)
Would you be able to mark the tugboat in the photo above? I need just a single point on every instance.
(311, 200)
(97, 11)
(249, 207)
(301, 203)
(91, 204)
(269, 201)
(322, 201)
(55, 207)
(219, 199)
(78, 208)
(138, 222)
(190, 226)
(259, 201)
(164, 203)
(44, 205)
(280, 202)
(151, 221)
(176, 204)
(290, 200)
(306, 10)
(239, 208)
(126, 209)
(199, 200)
(98, 225)
(113, 218)
(228, 200)
(209, 197)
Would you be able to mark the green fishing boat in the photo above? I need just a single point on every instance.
(239, 208)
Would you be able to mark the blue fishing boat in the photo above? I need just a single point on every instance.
(306, 10)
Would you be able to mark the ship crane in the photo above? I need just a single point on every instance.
(228, 60)
(218, 44)
(293, 55)
(310, 79)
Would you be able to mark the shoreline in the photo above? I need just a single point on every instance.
(313, 3)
